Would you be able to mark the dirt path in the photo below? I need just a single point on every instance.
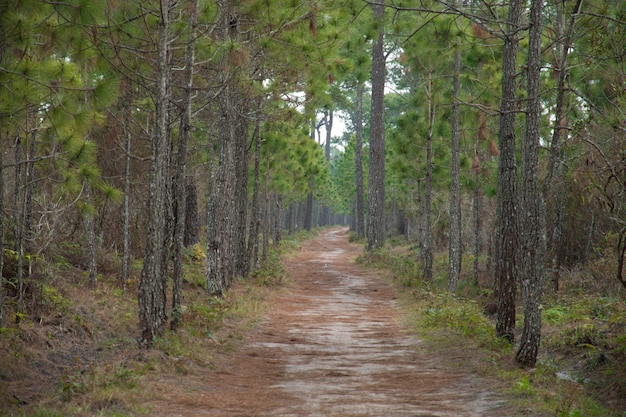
(333, 344)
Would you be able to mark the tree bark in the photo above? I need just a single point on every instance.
(308, 214)
(2, 208)
(506, 222)
(181, 172)
(127, 180)
(278, 220)
(454, 249)
(532, 218)
(376, 197)
(255, 221)
(477, 208)
(151, 293)
(358, 156)
(240, 191)
(559, 137)
(192, 222)
(426, 239)
(92, 267)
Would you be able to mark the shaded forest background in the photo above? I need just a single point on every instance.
(134, 134)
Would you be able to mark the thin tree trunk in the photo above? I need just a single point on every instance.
(181, 172)
(91, 237)
(358, 156)
(255, 221)
(559, 137)
(18, 226)
(426, 249)
(532, 220)
(278, 220)
(477, 209)
(2, 208)
(376, 196)
(127, 179)
(266, 214)
(151, 294)
(308, 214)
(240, 199)
(455, 254)
(506, 220)
(192, 222)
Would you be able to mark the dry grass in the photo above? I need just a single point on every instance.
(74, 352)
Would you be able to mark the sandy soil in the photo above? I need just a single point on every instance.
(332, 344)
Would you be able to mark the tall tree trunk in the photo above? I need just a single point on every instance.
(559, 137)
(2, 201)
(308, 214)
(376, 197)
(222, 219)
(278, 220)
(240, 198)
(151, 294)
(291, 218)
(192, 222)
(533, 218)
(18, 222)
(454, 250)
(477, 208)
(91, 236)
(506, 221)
(2, 208)
(426, 239)
(358, 156)
(255, 221)
(127, 180)
(266, 212)
(329, 116)
(220, 214)
(181, 172)
(329, 127)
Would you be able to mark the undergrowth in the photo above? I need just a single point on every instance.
(581, 370)
(99, 369)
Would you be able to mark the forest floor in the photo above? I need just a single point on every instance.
(334, 343)
(327, 336)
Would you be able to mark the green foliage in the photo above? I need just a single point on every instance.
(464, 317)
(271, 272)
(523, 387)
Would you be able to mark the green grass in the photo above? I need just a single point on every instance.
(584, 327)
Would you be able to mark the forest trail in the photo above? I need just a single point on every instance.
(333, 344)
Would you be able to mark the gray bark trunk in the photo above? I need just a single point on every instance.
(2, 208)
(376, 197)
(181, 173)
(278, 220)
(127, 179)
(477, 208)
(240, 197)
(426, 248)
(454, 250)
(506, 222)
(358, 156)
(192, 222)
(151, 293)
(308, 214)
(255, 221)
(92, 267)
(266, 213)
(532, 218)
(559, 137)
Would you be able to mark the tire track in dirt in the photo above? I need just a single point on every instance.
(331, 345)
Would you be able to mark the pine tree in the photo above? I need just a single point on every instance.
(376, 194)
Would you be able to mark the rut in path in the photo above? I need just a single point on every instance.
(331, 345)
